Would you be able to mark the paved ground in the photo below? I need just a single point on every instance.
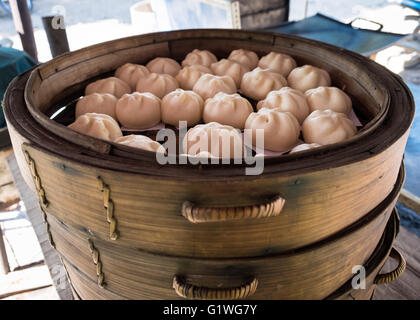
(21, 243)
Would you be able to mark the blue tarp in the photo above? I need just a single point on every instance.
(413, 4)
(322, 28)
(410, 219)
(412, 151)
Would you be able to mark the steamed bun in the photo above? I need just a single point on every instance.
(230, 68)
(221, 141)
(138, 110)
(228, 109)
(327, 127)
(287, 99)
(156, 83)
(111, 85)
(246, 57)
(332, 98)
(181, 105)
(140, 142)
(189, 75)
(164, 65)
(208, 85)
(257, 83)
(202, 57)
(130, 74)
(97, 103)
(278, 62)
(281, 129)
(308, 77)
(101, 126)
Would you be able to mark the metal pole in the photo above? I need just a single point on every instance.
(23, 25)
(287, 12)
(56, 34)
(305, 12)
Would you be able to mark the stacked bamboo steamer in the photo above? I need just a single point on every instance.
(127, 227)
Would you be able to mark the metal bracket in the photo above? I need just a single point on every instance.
(50, 239)
(109, 206)
(38, 185)
(97, 261)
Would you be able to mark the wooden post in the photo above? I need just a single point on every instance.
(260, 14)
(56, 34)
(4, 263)
(410, 200)
(23, 25)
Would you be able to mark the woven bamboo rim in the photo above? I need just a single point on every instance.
(211, 214)
(393, 275)
(189, 291)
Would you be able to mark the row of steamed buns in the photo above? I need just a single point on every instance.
(139, 97)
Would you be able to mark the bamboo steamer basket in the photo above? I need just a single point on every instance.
(373, 266)
(312, 272)
(372, 269)
(123, 197)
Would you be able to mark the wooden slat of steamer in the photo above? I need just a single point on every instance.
(312, 273)
(317, 206)
(86, 288)
(90, 289)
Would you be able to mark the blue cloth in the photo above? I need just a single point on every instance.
(412, 150)
(409, 218)
(12, 63)
(322, 28)
(415, 5)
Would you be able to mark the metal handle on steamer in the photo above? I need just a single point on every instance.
(197, 214)
(189, 291)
